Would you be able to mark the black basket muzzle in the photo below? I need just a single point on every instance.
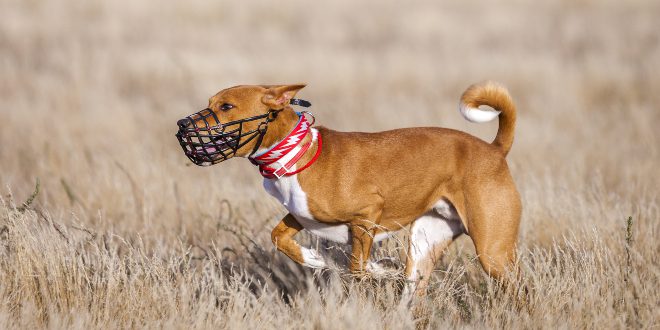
(214, 142)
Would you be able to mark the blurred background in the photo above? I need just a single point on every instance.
(90, 92)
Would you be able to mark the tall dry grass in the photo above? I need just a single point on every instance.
(125, 233)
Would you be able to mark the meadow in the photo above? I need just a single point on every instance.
(105, 224)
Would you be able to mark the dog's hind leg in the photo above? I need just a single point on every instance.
(430, 235)
(282, 237)
(493, 213)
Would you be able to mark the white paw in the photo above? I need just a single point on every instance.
(312, 258)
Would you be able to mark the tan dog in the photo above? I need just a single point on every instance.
(358, 188)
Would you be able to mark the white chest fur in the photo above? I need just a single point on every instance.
(287, 190)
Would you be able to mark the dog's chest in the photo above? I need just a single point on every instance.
(288, 191)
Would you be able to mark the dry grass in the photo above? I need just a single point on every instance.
(124, 234)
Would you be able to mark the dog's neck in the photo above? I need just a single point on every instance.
(284, 157)
(278, 129)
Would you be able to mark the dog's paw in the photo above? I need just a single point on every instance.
(312, 259)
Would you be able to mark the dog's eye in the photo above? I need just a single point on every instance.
(226, 106)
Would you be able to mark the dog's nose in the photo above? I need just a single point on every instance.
(184, 123)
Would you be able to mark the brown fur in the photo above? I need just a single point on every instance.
(494, 95)
(383, 181)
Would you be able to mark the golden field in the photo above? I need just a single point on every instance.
(126, 233)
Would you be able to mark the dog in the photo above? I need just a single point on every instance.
(359, 188)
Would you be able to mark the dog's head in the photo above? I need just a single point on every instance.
(234, 123)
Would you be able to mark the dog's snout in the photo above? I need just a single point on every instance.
(184, 123)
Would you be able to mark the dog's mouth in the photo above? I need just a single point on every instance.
(206, 150)
(206, 142)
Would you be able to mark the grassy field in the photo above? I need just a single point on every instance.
(125, 233)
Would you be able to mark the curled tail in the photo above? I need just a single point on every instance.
(492, 94)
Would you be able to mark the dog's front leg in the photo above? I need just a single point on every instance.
(362, 240)
(282, 237)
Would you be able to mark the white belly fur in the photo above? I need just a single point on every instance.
(287, 190)
(436, 227)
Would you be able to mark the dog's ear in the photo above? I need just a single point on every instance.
(278, 97)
